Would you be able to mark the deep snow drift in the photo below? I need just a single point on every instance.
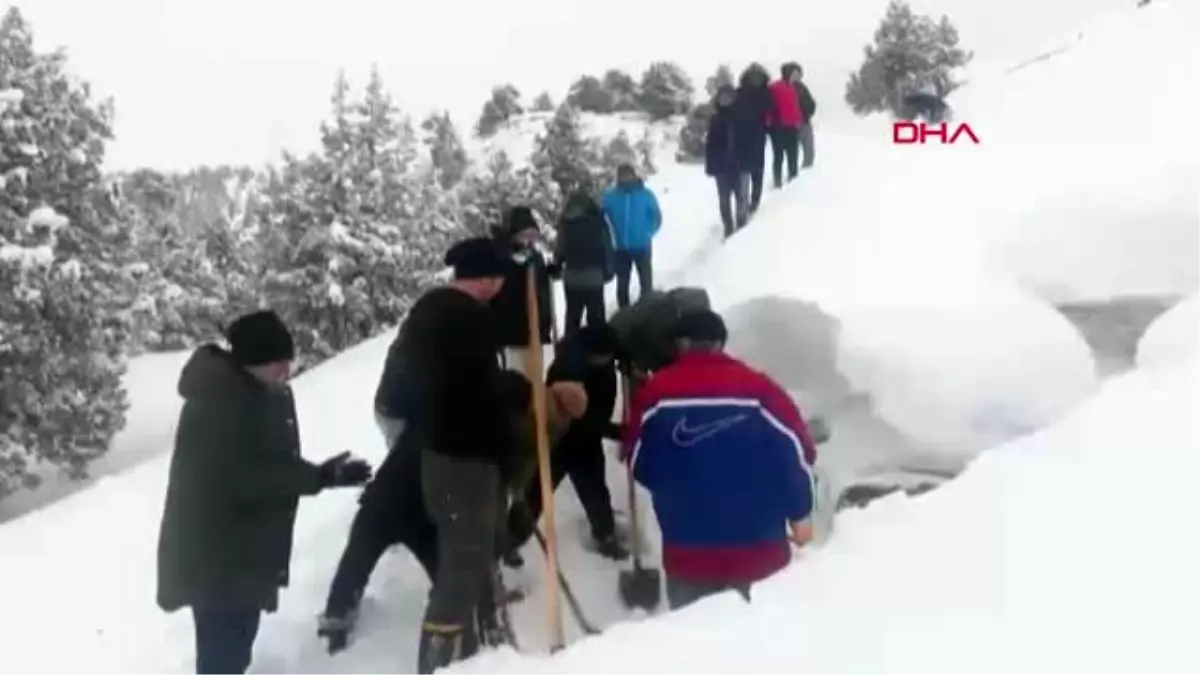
(1172, 337)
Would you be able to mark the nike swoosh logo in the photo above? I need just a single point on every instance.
(686, 436)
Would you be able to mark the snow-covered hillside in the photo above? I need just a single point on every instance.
(883, 293)
(517, 137)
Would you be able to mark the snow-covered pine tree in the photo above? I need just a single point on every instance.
(618, 151)
(911, 52)
(722, 77)
(487, 192)
(447, 153)
(622, 89)
(63, 274)
(694, 133)
(544, 102)
(666, 90)
(564, 153)
(354, 252)
(588, 94)
(504, 104)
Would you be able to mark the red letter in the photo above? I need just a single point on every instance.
(939, 132)
(965, 128)
(897, 137)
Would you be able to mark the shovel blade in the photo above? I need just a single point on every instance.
(641, 588)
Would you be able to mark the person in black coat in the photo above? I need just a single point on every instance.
(588, 357)
(235, 480)
(723, 161)
(753, 107)
(584, 249)
(520, 235)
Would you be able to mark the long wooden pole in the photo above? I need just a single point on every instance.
(535, 372)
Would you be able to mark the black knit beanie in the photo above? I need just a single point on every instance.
(520, 218)
(701, 326)
(477, 258)
(260, 337)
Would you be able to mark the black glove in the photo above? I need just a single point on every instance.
(343, 471)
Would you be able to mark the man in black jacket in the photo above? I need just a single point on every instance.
(519, 236)
(722, 161)
(754, 108)
(584, 248)
(465, 434)
(235, 480)
(588, 357)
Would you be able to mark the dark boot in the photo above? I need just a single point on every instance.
(440, 646)
(336, 629)
(611, 547)
(513, 559)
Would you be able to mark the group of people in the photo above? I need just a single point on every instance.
(744, 118)
(459, 486)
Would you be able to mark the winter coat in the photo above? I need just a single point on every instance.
(785, 111)
(634, 214)
(235, 479)
(584, 246)
(753, 108)
(721, 156)
(808, 105)
(393, 394)
(600, 385)
(461, 397)
(510, 306)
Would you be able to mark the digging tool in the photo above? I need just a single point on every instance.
(640, 587)
(535, 372)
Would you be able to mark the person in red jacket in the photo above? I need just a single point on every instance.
(727, 458)
(786, 120)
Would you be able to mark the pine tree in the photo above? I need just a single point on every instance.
(588, 94)
(911, 52)
(564, 153)
(447, 153)
(504, 104)
(544, 102)
(666, 90)
(723, 77)
(346, 227)
(64, 268)
(694, 133)
(622, 89)
(618, 151)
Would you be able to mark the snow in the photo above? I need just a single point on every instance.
(1172, 337)
(27, 256)
(895, 292)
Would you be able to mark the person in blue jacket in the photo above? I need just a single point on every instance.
(633, 214)
(727, 459)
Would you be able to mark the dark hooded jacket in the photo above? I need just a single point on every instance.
(571, 364)
(235, 479)
(584, 246)
(510, 306)
(753, 108)
(721, 156)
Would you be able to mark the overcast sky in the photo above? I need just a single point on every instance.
(224, 81)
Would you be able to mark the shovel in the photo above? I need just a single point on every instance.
(640, 587)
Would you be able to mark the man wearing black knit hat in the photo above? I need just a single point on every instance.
(235, 481)
(444, 379)
(519, 235)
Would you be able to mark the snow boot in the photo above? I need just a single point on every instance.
(513, 559)
(336, 630)
(440, 646)
(610, 547)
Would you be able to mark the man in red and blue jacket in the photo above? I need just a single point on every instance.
(727, 458)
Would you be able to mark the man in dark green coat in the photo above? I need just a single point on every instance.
(235, 481)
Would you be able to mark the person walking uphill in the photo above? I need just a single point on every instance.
(808, 108)
(584, 248)
(723, 162)
(465, 435)
(519, 235)
(633, 213)
(726, 457)
(785, 128)
(236, 476)
(754, 110)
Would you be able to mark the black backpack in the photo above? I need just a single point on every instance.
(646, 328)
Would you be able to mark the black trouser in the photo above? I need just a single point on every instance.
(625, 261)
(732, 187)
(681, 593)
(785, 142)
(756, 185)
(582, 459)
(371, 534)
(580, 300)
(225, 639)
(805, 134)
